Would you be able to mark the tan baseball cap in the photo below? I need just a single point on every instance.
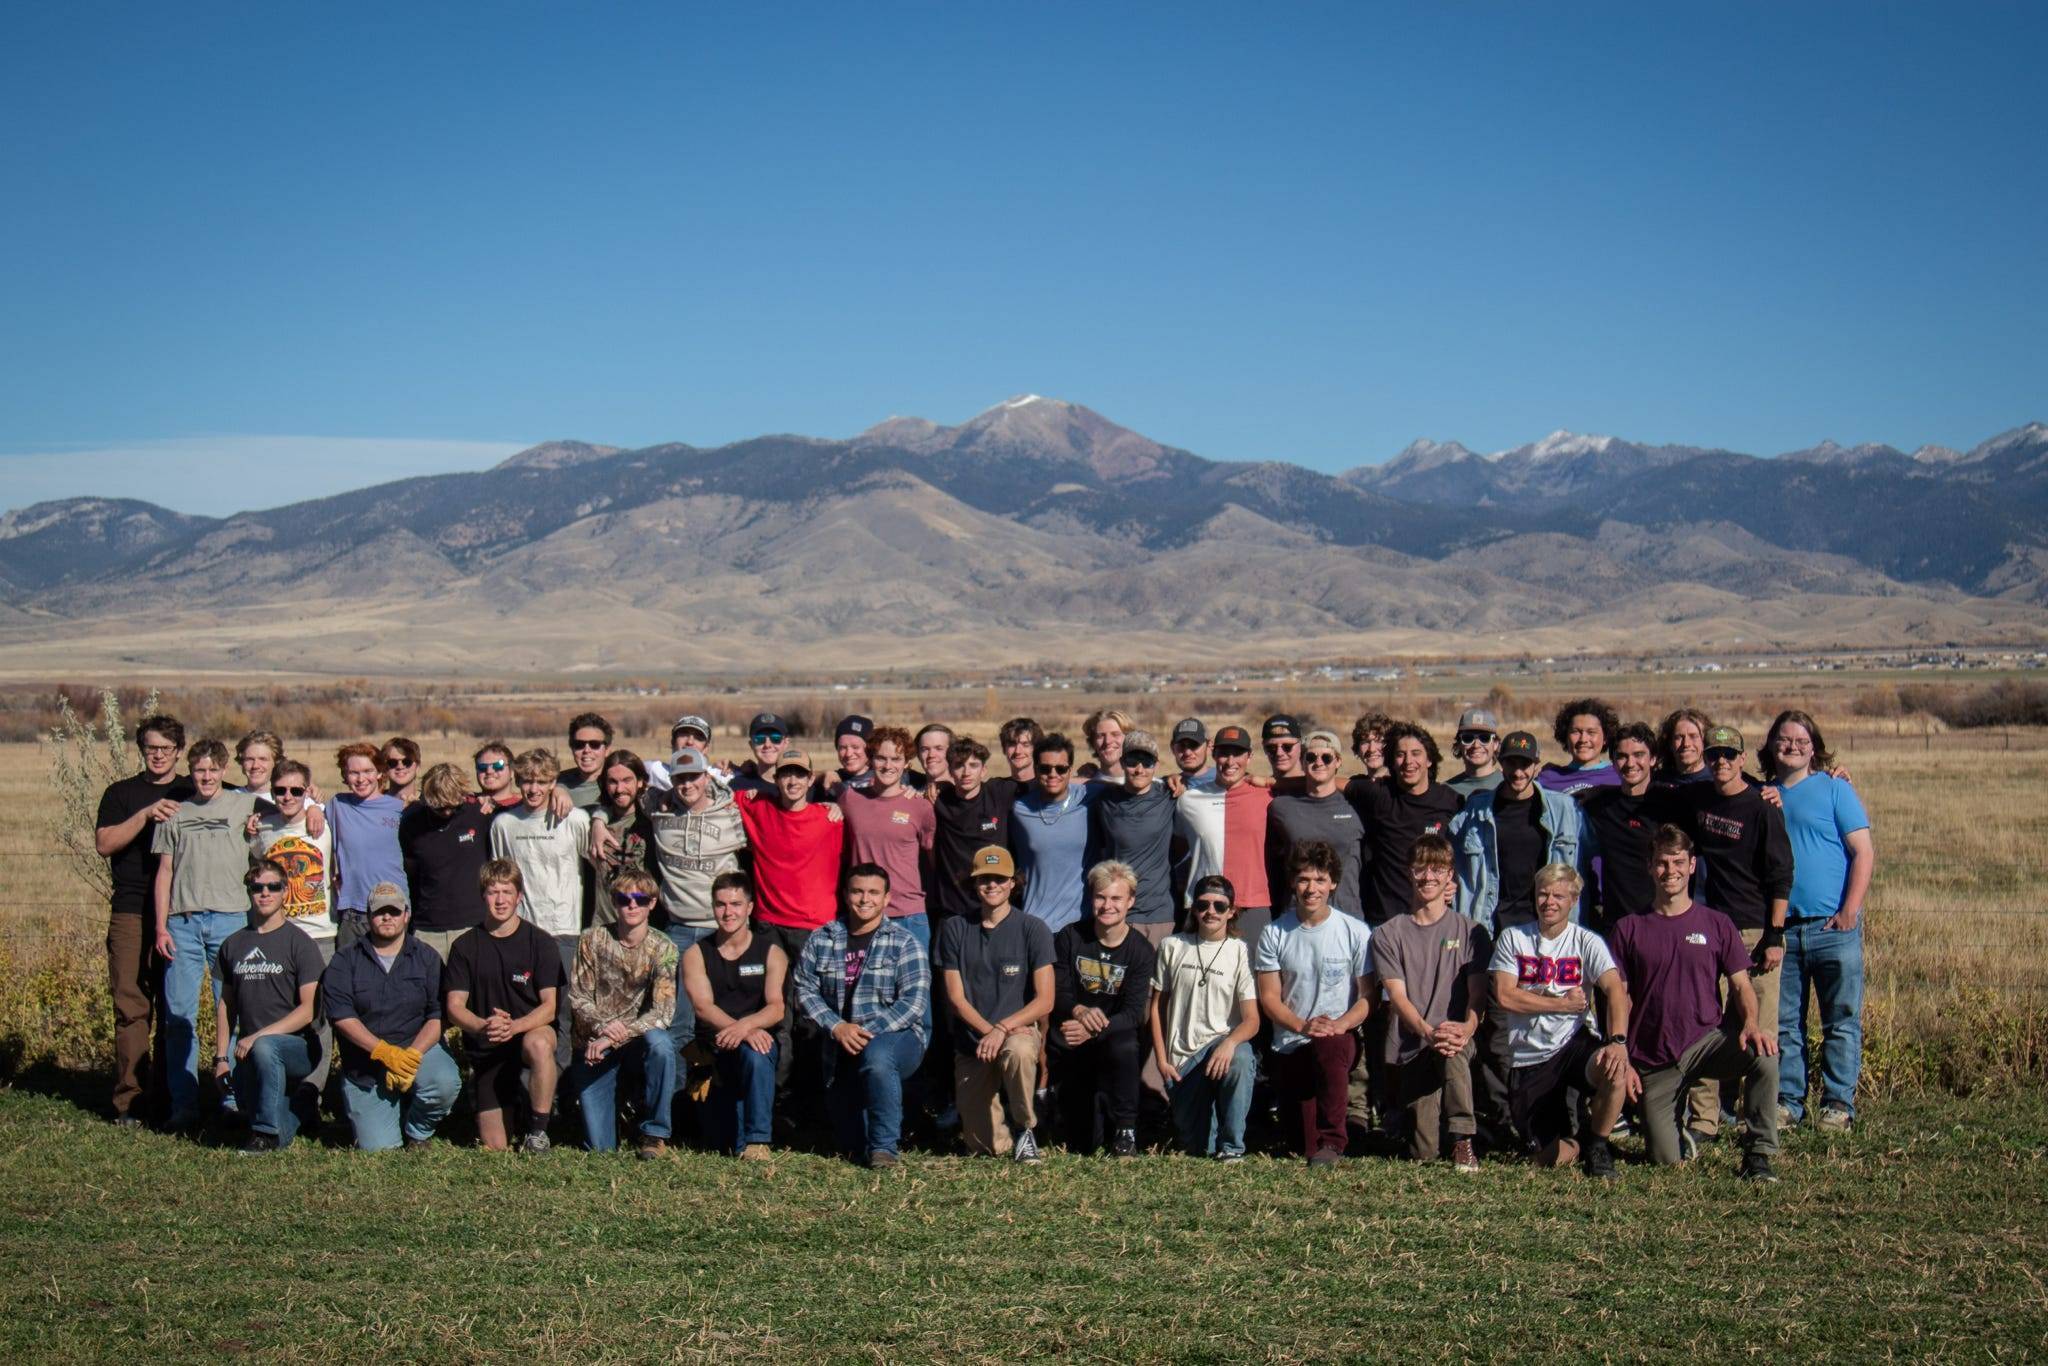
(992, 860)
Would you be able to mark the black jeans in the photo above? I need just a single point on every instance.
(1096, 1080)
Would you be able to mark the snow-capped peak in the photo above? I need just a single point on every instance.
(1023, 400)
(1558, 445)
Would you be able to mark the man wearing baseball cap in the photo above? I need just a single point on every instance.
(996, 969)
(1477, 745)
(689, 732)
(1132, 823)
(1190, 744)
(1222, 823)
(383, 999)
(1281, 738)
(767, 736)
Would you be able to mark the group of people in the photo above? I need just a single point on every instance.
(1519, 957)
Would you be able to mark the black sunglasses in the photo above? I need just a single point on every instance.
(1140, 760)
(766, 737)
(1216, 904)
(1470, 737)
(283, 791)
(1318, 758)
(397, 761)
(1055, 768)
(588, 744)
(632, 898)
(376, 911)
(266, 886)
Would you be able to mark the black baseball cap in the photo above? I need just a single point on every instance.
(1232, 737)
(854, 725)
(1521, 745)
(767, 720)
(1278, 725)
(1213, 883)
(1189, 728)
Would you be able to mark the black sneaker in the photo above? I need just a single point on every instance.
(1125, 1144)
(1757, 1167)
(258, 1143)
(1599, 1159)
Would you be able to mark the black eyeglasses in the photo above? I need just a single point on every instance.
(1475, 737)
(494, 766)
(160, 749)
(632, 898)
(766, 737)
(284, 791)
(266, 886)
(1055, 768)
(1215, 904)
(1319, 759)
(588, 744)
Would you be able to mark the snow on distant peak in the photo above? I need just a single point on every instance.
(1022, 400)
(1558, 445)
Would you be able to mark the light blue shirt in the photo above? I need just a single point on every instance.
(1050, 840)
(1821, 812)
(1319, 967)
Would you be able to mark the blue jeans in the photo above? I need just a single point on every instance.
(865, 1093)
(742, 1103)
(683, 1027)
(596, 1088)
(1209, 1115)
(382, 1116)
(267, 1083)
(1831, 963)
(197, 940)
(919, 927)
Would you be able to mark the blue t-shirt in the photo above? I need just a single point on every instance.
(1319, 967)
(1050, 840)
(366, 849)
(1821, 812)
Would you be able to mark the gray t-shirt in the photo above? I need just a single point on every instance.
(1298, 819)
(995, 966)
(1137, 828)
(1434, 964)
(209, 850)
(1319, 967)
(1465, 786)
(263, 975)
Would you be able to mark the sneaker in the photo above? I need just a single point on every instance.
(880, 1161)
(1689, 1141)
(258, 1143)
(1786, 1119)
(127, 1122)
(1229, 1155)
(1462, 1156)
(1757, 1167)
(756, 1152)
(1325, 1157)
(651, 1149)
(1835, 1120)
(535, 1142)
(413, 1145)
(1125, 1144)
(1599, 1159)
(1024, 1147)
(228, 1105)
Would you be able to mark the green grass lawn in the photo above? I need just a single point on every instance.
(1922, 1236)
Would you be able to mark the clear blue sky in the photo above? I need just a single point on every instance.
(1309, 232)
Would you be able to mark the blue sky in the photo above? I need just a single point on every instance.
(319, 240)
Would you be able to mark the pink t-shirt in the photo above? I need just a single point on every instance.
(895, 833)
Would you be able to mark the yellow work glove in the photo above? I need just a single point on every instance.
(401, 1065)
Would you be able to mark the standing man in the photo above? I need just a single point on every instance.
(1832, 863)
(549, 851)
(932, 743)
(1190, 744)
(697, 834)
(621, 835)
(1314, 971)
(1049, 829)
(852, 741)
(1675, 961)
(124, 830)
(1368, 742)
(364, 822)
(689, 732)
(278, 831)
(973, 812)
(1544, 976)
(1584, 729)
(1432, 963)
(1619, 824)
(269, 973)
(767, 736)
(622, 994)
(1477, 744)
(1397, 811)
(1102, 980)
(1317, 813)
(865, 985)
(1132, 825)
(444, 841)
(383, 999)
(1019, 740)
(504, 983)
(1222, 823)
(892, 827)
(590, 739)
(202, 852)
(998, 976)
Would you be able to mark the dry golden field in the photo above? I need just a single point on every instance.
(1958, 917)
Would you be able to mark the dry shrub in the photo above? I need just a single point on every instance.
(55, 1009)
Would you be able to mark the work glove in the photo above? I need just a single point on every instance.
(401, 1065)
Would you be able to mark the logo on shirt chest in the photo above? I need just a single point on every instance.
(1012, 969)
(988, 825)
(466, 837)
(522, 979)
(899, 818)
(1433, 828)
(1723, 826)
(1534, 970)
(1696, 938)
(753, 970)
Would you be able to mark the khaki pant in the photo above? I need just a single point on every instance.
(132, 983)
(1709, 1097)
(440, 941)
(1436, 1093)
(992, 1096)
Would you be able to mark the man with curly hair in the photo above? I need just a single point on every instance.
(1584, 728)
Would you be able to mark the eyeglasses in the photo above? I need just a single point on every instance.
(1476, 737)
(1319, 759)
(160, 749)
(1055, 768)
(623, 899)
(398, 761)
(588, 744)
(1216, 904)
(766, 737)
(1787, 742)
(494, 766)
(1140, 760)
(266, 887)
(283, 791)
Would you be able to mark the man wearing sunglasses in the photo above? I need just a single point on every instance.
(767, 736)
(504, 983)
(1477, 746)
(129, 813)
(622, 993)
(383, 998)
(1314, 812)
(1280, 737)
(1133, 825)
(1204, 1014)
(590, 739)
(1049, 829)
(263, 1021)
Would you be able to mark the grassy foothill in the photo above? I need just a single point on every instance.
(1919, 1236)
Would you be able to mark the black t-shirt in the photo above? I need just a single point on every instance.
(1624, 828)
(995, 966)
(856, 962)
(1745, 855)
(1521, 846)
(263, 975)
(132, 867)
(1116, 981)
(1394, 819)
(965, 824)
(507, 974)
(443, 856)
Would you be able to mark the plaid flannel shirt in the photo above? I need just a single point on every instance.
(895, 981)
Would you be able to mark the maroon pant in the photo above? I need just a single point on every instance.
(132, 982)
(1316, 1079)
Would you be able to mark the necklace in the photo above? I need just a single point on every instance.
(1203, 967)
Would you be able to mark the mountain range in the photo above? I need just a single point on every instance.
(1040, 532)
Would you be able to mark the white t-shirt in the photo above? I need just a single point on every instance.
(1198, 816)
(308, 865)
(1202, 985)
(1319, 967)
(549, 853)
(1549, 967)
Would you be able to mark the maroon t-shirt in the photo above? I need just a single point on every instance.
(1674, 965)
(896, 833)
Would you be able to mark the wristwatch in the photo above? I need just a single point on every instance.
(1621, 1039)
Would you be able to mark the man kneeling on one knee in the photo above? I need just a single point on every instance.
(503, 978)
(383, 998)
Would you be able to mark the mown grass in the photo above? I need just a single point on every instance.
(1919, 1236)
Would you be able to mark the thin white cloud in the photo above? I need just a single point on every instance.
(219, 475)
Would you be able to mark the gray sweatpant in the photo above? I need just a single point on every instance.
(1722, 1057)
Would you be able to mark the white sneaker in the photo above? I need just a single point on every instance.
(1024, 1147)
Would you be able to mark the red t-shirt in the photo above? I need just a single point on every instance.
(1244, 843)
(796, 862)
(894, 833)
